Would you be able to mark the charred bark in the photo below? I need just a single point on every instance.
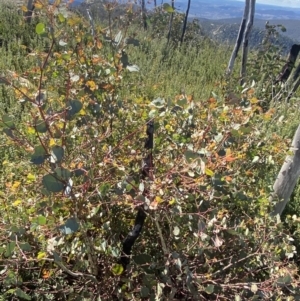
(245, 49)
(147, 166)
(185, 21)
(288, 67)
(239, 39)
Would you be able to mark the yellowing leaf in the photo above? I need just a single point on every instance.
(172, 201)
(169, 128)
(117, 269)
(46, 274)
(16, 203)
(99, 44)
(24, 8)
(41, 255)
(82, 112)
(92, 85)
(30, 130)
(15, 185)
(38, 5)
(30, 177)
(209, 172)
(254, 100)
(5, 162)
(158, 199)
(51, 142)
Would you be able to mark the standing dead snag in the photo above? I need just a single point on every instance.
(245, 49)
(292, 79)
(239, 39)
(287, 177)
(29, 12)
(146, 171)
(185, 21)
(243, 38)
(288, 67)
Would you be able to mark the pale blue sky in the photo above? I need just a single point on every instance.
(284, 3)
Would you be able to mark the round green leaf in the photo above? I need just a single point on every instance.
(8, 121)
(39, 155)
(22, 295)
(63, 173)
(41, 220)
(144, 292)
(117, 269)
(41, 126)
(168, 8)
(52, 184)
(190, 155)
(73, 107)
(10, 248)
(40, 28)
(57, 154)
(25, 246)
(142, 259)
(70, 226)
(210, 289)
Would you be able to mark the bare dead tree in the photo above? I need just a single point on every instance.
(247, 32)
(290, 79)
(287, 177)
(239, 38)
(288, 67)
(144, 16)
(185, 21)
(29, 12)
(243, 39)
(171, 22)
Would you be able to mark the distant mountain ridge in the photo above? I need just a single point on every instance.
(226, 31)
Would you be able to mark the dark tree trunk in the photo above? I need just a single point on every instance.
(239, 38)
(144, 16)
(171, 22)
(30, 8)
(249, 26)
(288, 67)
(146, 172)
(185, 21)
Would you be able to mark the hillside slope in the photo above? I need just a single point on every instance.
(226, 31)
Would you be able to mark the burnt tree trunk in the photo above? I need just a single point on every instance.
(185, 21)
(247, 32)
(239, 38)
(287, 76)
(288, 67)
(29, 12)
(171, 22)
(144, 16)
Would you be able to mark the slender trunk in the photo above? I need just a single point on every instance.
(295, 83)
(185, 21)
(246, 40)
(171, 22)
(155, 3)
(288, 67)
(144, 18)
(287, 177)
(291, 79)
(30, 8)
(239, 38)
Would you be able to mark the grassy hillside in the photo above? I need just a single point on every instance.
(108, 129)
